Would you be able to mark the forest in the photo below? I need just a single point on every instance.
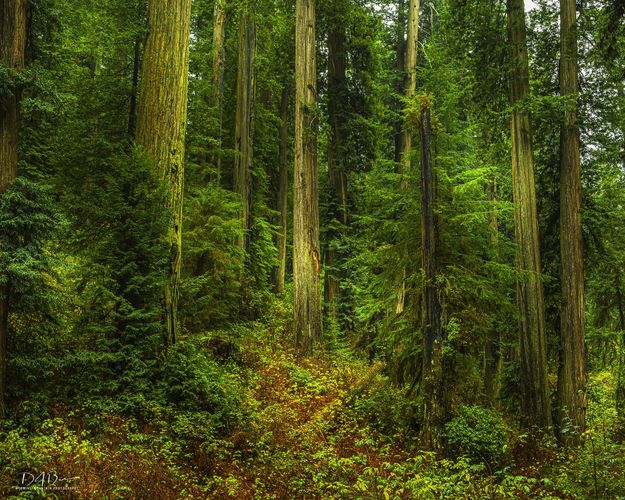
(296, 249)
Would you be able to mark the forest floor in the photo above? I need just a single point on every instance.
(307, 428)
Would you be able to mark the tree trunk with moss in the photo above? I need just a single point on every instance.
(400, 62)
(571, 406)
(535, 403)
(337, 103)
(217, 79)
(283, 191)
(306, 264)
(620, 381)
(244, 127)
(432, 382)
(134, 89)
(161, 125)
(13, 20)
(410, 87)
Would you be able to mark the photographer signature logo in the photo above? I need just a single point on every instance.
(44, 480)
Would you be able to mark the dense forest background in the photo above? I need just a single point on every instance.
(312, 249)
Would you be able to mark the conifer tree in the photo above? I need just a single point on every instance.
(161, 125)
(306, 257)
(535, 404)
(571, 406)
(13, 20)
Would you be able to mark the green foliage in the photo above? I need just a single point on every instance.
(28, 220)
(213, 262)
(193, 381)
(478, 433)
(230, 410)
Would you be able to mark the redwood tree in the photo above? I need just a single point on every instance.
(410, 86)
(306, 262)
(530, 296)
(161, 125)
(571, 406)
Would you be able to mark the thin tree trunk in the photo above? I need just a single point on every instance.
(306, 265)
(337, 93)
(572, 373)
(620, 383)
(161, 124)
(412, 46)
(492, 353)
(283, 193)
(12, 54)
(530, 296)
(136, 65)
(432, 383)
(400, 65)
(244, 127)
(217, 80)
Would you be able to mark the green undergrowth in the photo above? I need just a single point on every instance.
(241, 416)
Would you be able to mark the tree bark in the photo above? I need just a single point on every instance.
(571, 410)
(13, 20)
(283, 193)
(400, 66)
(217, 79)
(136, 66)
(337, 94)
(535, 403)
(412, 47)
(620, 382)
(492, 352)
(244, 127)
(306, 265)
(161, 124)
(432, 382)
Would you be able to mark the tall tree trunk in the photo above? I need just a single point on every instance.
(412, 46)
(217, 80)
(337, 94)
(412, 49)
(244, 127)
(530, 296)
(161, 124)
(283, 190)
(400, 66)
(571, 409)
(492, 352)
(432, 383)
(12, 54)
(620, 383)
(136, 65)
(306, 265)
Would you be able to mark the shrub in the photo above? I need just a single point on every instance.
(478, 433)
(193, 381)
